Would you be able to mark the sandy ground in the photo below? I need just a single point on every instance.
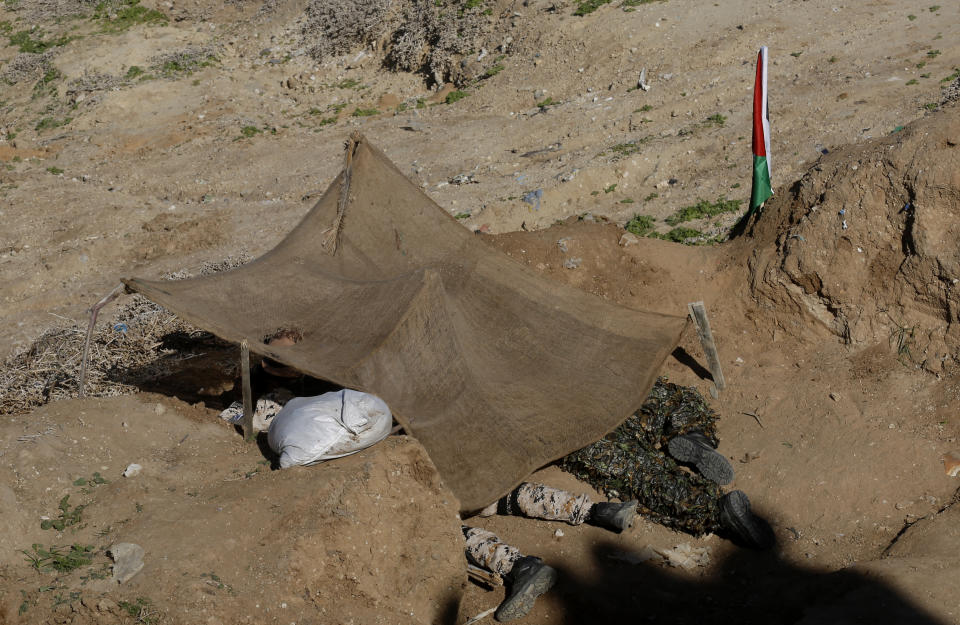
(843, 455)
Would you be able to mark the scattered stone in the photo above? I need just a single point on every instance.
(642, 81)
(835, 396)
(562, 244)
(572, 263)
(463, 179)
(628, 239)
(132, 470)
(558, 533)
(127, 561)
(951, 463)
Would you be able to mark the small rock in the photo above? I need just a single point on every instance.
(572, 263)
(127, 561)
(628, 239)
(951, 463)
(558, 533)
(159, 409)
(835, 396)
(105, 605)
(132, 470)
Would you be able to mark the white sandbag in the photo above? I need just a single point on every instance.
(311, 429)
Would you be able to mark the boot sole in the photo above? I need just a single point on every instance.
(711, 464)
(523, 597)
(736, 516)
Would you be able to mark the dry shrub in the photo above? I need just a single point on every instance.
(141, 342)
(27, 66)
(414, 35)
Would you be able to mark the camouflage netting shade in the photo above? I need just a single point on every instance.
(494, 369)
(631, 462)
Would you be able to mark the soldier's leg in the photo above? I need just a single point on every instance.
(527, 577)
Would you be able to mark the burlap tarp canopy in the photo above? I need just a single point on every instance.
(494, 369)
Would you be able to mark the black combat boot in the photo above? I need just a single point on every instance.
(736, 518)
(617, 516)
(528, 579)
(695, 448)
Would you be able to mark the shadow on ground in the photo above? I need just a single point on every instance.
(749, 587)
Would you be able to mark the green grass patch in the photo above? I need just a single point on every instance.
(67, 515)
(462, 216)
(589, 6)
(610, 189)
(453, 96)
(931, 106)
(25, 42)
(953, 76)
(912, 81)
(493, 71)
(133, 71)
(935, 8)
(185, 64)
(652, 196)
(348, 83)
(249, 131)
(60, 559)
(796, 55)
(911, 17)
(359, 112)
(548, 102)
(117, 19)
(49, 122)
(703, 208)
(627, 200)
(6, 27)
(140, 609)
(933, 53)
(56, 171)
(716, 120)
(681, 234)
(640, 225)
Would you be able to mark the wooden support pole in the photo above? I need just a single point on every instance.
(247, 422)
(94, 311)
(699, 315)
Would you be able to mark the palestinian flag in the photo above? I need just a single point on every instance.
(762, 190)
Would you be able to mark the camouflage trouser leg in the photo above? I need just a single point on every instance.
(485, 550)
(550, 504)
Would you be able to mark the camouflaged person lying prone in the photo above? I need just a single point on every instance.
(629, 462)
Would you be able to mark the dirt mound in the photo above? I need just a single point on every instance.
(866, 244)
(373, 537)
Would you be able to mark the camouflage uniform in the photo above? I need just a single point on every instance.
(631, 462)
(535, 501)
(487, 551)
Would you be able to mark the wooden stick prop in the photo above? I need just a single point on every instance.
(699, 315)
(482, 575)
(94, 311)
(247, 422)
